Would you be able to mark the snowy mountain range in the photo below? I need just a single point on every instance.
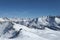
(42, 28)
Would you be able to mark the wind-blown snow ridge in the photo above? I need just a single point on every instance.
(42, 28)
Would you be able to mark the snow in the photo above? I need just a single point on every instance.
(26, 34)
(29, 33)
(16, 26)
(36, 34)
(2, 27)
(1, 19)
(57, 20)
(43, 21)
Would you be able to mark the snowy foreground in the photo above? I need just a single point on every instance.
(42, 28)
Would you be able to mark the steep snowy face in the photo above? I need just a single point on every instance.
(51, 22)
(40, 28)
(1, 19)
(5, 27)
(43, 20)
(15, 31)
(57, 20)
(7, 30)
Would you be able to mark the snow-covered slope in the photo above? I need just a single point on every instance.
(42, 28)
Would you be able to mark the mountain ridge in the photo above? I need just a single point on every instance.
(11, 28)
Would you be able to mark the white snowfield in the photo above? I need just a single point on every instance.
(57, 20)
(27, 33)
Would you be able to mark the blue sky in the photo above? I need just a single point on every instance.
(29, 8)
